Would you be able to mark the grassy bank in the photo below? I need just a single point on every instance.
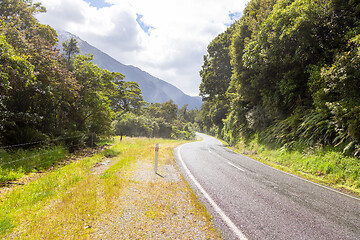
(325, 166)
(72, 201)
(16, 164)
(28, 203)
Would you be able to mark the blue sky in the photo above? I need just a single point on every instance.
(166, 38)
(235, 16)
(98, 3)
(144, 27)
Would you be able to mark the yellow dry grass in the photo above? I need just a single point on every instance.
(117, 196)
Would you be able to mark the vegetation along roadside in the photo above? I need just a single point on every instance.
(327, 166)
(48, 94)
(112, 193)
(283, 81)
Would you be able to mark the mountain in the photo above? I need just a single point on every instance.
(154, 90)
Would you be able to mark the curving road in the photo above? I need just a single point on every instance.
(250, 200)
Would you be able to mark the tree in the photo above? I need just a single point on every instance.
(292, 74)
(167, 111)
(183, 114)
(92, 109)
(17, 75)
(135, 125)
(339, 93)
(70, 47)
(216, 70)
(36, 106)
(127, 98)
(216, 75)
(20, 9)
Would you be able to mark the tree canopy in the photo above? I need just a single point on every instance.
(46, 94)
(292, 77)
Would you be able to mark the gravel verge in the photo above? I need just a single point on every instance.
(155, 206)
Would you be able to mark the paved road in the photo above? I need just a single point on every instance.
(250, 200)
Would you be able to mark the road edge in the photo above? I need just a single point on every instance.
(218, 210)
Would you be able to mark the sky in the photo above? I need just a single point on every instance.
(166, 38)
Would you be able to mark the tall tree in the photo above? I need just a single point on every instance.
(92, 110)
(40, 104)
(242, 95)
(70, 47)
(215, 78)
(292, 63)
(216, 70)
(127, 98)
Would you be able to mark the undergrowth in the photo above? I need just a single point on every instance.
(26, 202)
(69, 200)
(324, 165)
(16, 164)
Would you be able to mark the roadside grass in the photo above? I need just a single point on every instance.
(156, 206)
(27, 203)
(16, 164)
(325, 166)
(69, 201)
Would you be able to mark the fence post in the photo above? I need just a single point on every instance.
(156, 157)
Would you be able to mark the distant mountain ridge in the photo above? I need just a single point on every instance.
(153, 89)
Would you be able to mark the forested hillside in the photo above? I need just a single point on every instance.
(154, 90)
(46, 95)
(287, 73)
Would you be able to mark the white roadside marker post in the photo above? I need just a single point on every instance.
(156, 157)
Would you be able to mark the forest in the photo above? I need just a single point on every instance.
(286, 74)
(47, 95)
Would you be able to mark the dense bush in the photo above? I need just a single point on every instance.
(45, 95)
(154, 121)
(290, 70)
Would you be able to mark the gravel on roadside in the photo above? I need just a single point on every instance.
(155, 206)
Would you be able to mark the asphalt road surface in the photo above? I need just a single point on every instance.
(250, 200)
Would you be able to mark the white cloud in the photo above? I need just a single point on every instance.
(173, 47)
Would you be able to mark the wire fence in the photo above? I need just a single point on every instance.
(39, 142)
(30, 161)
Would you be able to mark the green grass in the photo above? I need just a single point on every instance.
(25, 202)
(75, 190)
(16, 164)
(326, 166)
(68, 202)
